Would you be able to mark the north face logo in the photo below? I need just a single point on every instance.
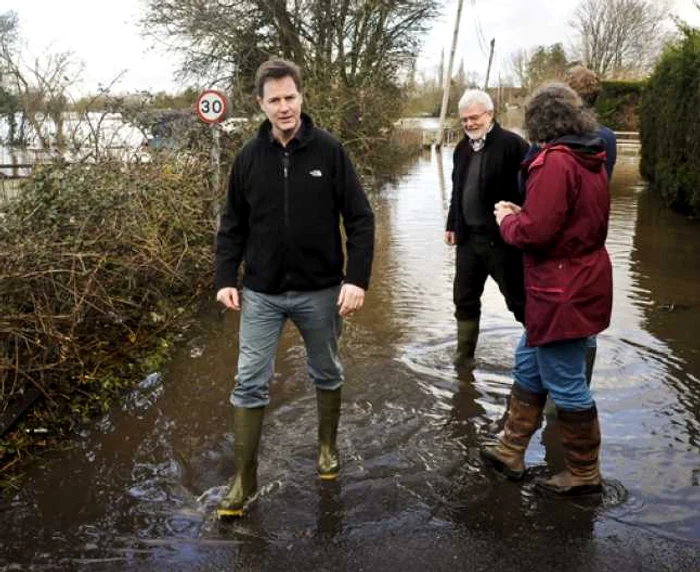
(316, 173)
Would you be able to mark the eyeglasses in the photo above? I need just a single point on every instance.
(472, 117)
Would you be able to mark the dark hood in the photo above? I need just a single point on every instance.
(588, 149)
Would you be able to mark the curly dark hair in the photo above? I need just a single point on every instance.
(584, 82)
(555, 110)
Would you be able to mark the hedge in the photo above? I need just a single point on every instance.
(670, 125)
(617, 106)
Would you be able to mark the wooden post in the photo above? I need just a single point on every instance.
(448, 78)
(499, 94)
(441, 177)
(488, 69)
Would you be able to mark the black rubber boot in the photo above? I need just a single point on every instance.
(247, 428)
(328, 404)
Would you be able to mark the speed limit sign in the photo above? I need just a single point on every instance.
(211, 106)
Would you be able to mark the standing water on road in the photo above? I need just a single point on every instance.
(138, 491)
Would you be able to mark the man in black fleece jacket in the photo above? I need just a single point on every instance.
(485, 171)
(289, 187)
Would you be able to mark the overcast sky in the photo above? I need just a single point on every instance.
(104, 34)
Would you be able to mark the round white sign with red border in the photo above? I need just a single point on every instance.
(211, 106)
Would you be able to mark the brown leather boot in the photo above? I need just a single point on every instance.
(580, 437)
(524, 417)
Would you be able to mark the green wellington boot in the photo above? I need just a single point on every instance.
(328, 403)
(580, 436)
(524, 417)
(247, 427)
(467, 335)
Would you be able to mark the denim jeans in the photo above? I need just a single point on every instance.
(263, 316)
(558, 368)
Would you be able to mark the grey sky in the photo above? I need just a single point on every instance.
(105, 36)
(514, 24)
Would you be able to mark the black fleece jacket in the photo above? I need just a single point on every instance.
(282, 216)
(498, 180)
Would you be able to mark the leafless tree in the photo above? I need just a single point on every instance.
(518, 64)
(40, 86)
(620, 38)
(353, 52)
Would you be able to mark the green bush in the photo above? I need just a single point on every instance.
(617, 106)
(670, 125)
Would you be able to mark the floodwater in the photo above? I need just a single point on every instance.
(138, 490)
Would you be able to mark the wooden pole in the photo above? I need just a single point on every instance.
(448, 78)
(499, 105)
(488, 69)
(441, 177)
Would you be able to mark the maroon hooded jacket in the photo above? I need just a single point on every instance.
(562, 230)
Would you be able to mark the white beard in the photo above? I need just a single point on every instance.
(474, 135)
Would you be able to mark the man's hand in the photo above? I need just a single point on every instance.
(351, 299)
(450, 237)
(229, 298)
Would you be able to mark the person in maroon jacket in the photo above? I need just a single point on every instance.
(561, 229)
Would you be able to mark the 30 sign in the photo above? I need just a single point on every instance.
(211, 106)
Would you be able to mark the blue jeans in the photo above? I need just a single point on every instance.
(558, 368)
(263, 316)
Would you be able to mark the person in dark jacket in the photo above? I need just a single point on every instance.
(288, 189)
(586, 84)
(485, 171)
(561, 228)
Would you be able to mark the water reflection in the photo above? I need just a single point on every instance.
(138, 491)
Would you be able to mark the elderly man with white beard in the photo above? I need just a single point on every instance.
(485, 171)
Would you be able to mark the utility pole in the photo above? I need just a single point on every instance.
(448, 78)
(488, 69)
(499, 105)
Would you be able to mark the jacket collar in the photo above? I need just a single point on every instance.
(303, 136)
(587, 149)
(478, 144)
(493, 130)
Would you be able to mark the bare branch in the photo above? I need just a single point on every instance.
(621, 38)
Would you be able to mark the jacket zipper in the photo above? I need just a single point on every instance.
(285, 165)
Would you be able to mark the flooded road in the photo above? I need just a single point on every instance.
(138, 490)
